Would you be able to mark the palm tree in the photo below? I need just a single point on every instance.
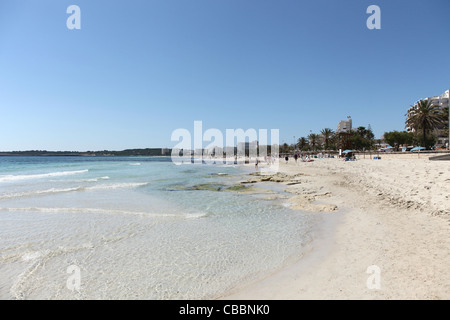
(302, 142)
(425, 117)
(446, 119)
(313, 139)
(284, 148)
(327, 134)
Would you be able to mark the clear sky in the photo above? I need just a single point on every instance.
(138, 70)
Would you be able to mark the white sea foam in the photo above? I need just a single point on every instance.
(95, 179)
(117, 186)
(20, 287)
(63, 190)
(38, 192)
(100, 211)
(135, 164)
(195, 215)
(28, 256)
(8, 178)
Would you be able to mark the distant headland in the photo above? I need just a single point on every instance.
(148, 152)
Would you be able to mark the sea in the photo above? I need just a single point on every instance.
(140, 228)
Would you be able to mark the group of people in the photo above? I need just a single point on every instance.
(296, 158)
(269, 160)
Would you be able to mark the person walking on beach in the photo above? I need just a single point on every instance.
(287, 159)
(295, 158)
(256, 164)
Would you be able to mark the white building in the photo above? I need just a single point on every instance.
(442, 102)
(345, 125)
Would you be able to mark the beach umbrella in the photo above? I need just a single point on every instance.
(347, 151)
(417, 148)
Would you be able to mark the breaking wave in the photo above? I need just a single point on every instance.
(39, 176)
(104, 211)
(63, 190)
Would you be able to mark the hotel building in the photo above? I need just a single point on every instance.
(442, 102)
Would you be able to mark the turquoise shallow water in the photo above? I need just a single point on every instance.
(137, 228)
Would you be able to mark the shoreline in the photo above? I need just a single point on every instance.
(383, 222)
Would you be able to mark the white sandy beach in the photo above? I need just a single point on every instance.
(393, 213)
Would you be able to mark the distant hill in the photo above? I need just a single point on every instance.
(148, 152)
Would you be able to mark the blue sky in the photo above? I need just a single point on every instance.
(138, 70)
